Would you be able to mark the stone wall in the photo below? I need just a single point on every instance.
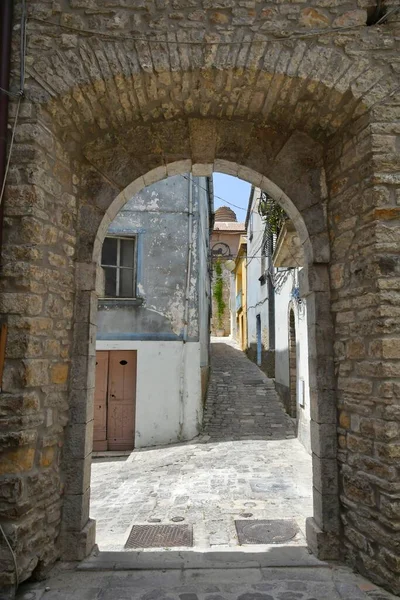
(313, 120)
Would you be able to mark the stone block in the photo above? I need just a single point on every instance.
(325, 474)
(47, 456)
(77, 475)
(321, 247)
(321, 371)
(313, 278)
(84, 340)
(155, 175)
(179, 167)
(59, 373)
(81, 405)
(358, 489)
(250, 176)
(389, 452)
(202, 170)
(77, 545)
(390, 560)
(225, 166)
(85, 276)
(76, 510)
(100, 282)
(323, 439)
(85, 310)
(324, 545)
(323, 405)
(36, 372)
(313, 18)
(17, 461)
(326, 511)
(203, 140)
(390, 506)
(83, 372)
(78, 441)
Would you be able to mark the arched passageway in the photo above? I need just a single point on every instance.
(104, 118)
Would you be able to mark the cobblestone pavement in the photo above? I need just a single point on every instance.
(246, 465)
(329, 583)
(242, 402)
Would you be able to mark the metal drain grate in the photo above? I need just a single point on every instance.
(160, 536)
(277, 531)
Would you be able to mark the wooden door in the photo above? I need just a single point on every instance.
(100, 402)
(121, 399)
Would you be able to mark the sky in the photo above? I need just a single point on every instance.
(232, 190)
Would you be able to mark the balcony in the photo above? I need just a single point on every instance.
(239, 301)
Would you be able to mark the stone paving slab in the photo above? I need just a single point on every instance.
(328, 583)
(247, 462)
(236, 557)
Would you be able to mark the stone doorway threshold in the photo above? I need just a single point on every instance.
(224, 558)
(112, 454)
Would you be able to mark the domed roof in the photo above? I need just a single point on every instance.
(225, 214)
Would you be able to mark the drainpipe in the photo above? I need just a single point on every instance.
(6, 13)
(186, 311)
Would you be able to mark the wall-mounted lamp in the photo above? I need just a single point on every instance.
(229, 265)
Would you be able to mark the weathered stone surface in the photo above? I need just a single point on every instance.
(318, 115)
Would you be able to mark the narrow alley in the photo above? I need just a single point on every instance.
(247, 464)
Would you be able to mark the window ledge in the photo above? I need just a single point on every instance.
(120, 302)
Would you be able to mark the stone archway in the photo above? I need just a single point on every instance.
(323, 528)
(312, 117)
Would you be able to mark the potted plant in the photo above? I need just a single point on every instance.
(218, 295)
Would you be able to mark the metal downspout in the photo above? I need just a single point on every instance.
(6, 14)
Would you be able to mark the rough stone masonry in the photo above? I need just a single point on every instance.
(301, 98)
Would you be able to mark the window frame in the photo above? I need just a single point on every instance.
(118, 266)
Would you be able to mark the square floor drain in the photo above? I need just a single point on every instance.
(160, 536)
(277, 531)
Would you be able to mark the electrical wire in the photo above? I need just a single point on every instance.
(215, 195)
(290, 36)
(20, 96)
(11, 94)
(385, 17)
(13, 556)
(10, 149)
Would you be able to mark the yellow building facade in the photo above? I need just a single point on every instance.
(240, 307)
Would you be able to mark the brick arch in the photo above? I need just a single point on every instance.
(108, 85)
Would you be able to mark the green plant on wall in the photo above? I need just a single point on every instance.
(218, 293)
(272, 214)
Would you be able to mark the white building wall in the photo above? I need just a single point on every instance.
(163, 414)
(285, 281)
(257, 294)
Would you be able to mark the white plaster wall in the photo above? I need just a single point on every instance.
(257, 294)
(161, 417)
(286, 282)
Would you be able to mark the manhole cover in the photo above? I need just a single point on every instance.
(277, 531)
(159, 536)
(252, 381)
